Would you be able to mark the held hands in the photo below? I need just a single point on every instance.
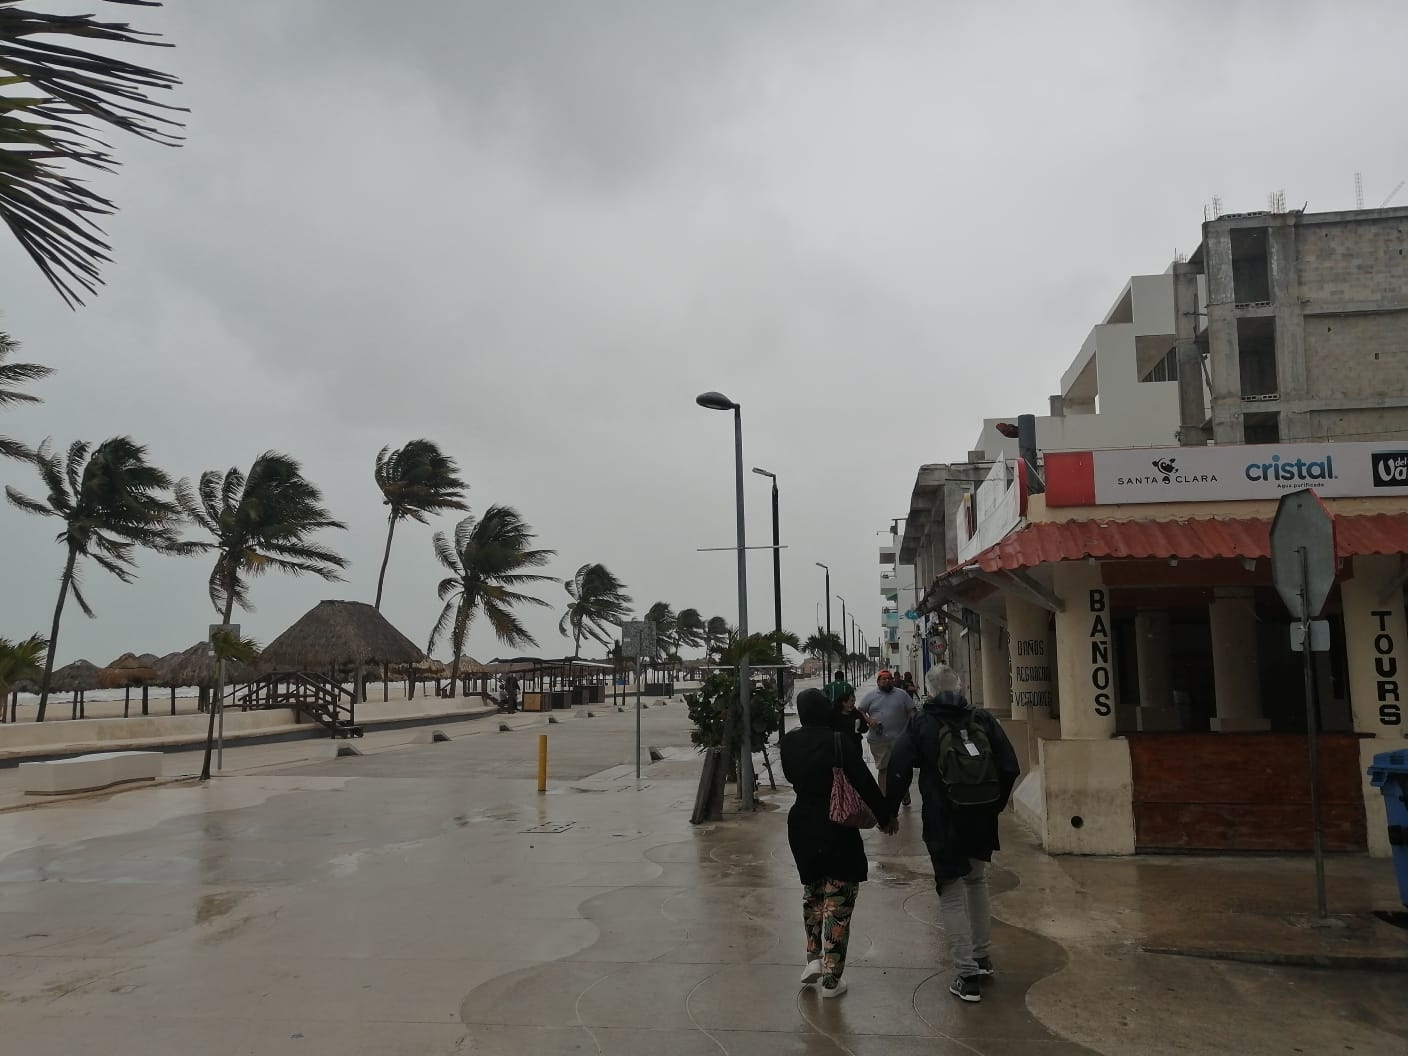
(891, 827)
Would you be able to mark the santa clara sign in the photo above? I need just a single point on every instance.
(1225, 472)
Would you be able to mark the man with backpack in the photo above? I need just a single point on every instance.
(966, 772)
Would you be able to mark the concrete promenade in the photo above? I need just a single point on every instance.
(425, 899)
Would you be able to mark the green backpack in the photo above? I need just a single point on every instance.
(965, 762)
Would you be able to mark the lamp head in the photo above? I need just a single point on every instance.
(715, 401)
(820, 565)
(764, 473)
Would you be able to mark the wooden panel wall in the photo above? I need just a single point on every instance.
(1243, 792)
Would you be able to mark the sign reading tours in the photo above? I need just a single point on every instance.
(1225, 472)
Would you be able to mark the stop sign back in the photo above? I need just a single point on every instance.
(1303, 545)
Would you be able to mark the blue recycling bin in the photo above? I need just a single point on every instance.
(1389, 775)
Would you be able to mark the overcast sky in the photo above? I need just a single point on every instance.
(534, 231)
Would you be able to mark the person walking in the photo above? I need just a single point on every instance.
(887, 710)
(967, 768)
(845, 718)
(830, 858)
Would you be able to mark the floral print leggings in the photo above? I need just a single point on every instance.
(826, 914)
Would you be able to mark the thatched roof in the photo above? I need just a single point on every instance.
(334, 633)
(197, 666)
(75, 676)
(127, 670)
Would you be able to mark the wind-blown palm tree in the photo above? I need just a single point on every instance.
(260, 522)
(716, 633)
(487, 558)
(690, 628)
(665, 620)
(415, 480)
(599, 600)
(20, 661)
(112, 501)
(11, 376)
(824, 646)
(58, 91)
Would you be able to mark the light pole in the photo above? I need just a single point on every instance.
(844, 633)
(776, 597)
(827, 570)
(717, 401)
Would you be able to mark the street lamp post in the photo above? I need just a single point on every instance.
(776, 597)
(827, 570)
(844, 633)
(717, 401)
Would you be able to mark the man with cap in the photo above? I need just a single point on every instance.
(887, 710)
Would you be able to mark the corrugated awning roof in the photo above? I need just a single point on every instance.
(1047, 542)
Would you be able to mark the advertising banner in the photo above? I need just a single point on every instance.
(1224, 472)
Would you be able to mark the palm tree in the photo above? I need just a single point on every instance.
(12, 375)
(20, 661)
(690, 628)
(824, 646)
(716, 633)
(60, 91)
(111, 501)
(665, 620)
(260, 522)
(415, 480)
(599, 599)
(487, 557)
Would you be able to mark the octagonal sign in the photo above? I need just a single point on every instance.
(1303, 553)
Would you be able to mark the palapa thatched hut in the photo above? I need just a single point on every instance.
(197, 667)
(126, 671)
(337, 635)
(76, 678)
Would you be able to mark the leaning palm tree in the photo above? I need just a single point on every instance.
(716, 632)
(20, 662)
(666, 622)
(690, 628)
(11, 376)
(824, 646)
(111, 501)
(487, 558)
(599, 600)
(58, 91)
(415, 480)
(259, 522)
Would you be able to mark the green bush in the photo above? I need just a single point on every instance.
(709, 709)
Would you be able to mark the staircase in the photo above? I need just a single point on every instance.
(327, 702)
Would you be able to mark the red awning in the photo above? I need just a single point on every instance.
(1047, 542)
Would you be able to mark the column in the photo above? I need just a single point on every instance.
(1085, 655)
(1031, 647)
(1156, 710)
(997, 673)
(1236, 678)
(1376, 650)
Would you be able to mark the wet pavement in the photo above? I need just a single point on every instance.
(425, 899)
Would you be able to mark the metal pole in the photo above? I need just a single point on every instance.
(1312, 738)
(220, 729)
(777, 606)
(844, 633)
(745, 761)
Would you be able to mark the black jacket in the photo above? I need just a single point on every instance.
(952, 837)
(822, 849)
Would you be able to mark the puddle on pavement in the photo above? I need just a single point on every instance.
(209, 907)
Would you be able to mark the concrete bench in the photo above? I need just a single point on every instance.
(85, 773)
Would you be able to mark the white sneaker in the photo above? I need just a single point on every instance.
(835, 991)
(811, 973)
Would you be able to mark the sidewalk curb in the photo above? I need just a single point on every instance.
(1338, 961)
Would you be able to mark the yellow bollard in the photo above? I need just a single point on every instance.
(542, 762)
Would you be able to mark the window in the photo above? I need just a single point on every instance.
(1256, 355)
(1261, 428)
(1251, 274)
(1165, 369)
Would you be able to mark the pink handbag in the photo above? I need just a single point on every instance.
(847, 808)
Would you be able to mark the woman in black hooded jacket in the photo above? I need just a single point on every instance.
(830, 858)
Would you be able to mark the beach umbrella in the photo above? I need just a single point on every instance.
(126, 671)
(76, 678)
(340, 634)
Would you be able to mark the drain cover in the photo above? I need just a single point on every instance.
(561, 826)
